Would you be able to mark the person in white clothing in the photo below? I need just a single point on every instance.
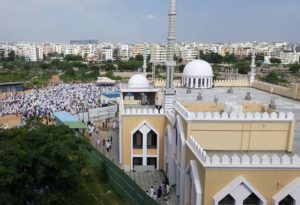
(151, 191)
(107, 145)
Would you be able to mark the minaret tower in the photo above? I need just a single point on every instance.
(169, 91)
(252, 68)
(153, 71)
(145, 61)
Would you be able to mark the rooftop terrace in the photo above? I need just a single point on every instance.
(282, 104)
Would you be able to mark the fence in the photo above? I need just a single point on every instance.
(98, 114)
(120, 181)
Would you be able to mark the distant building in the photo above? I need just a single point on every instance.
(83, 42)
(158, 54)
(107, 54)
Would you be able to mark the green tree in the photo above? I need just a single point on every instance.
(242, 66)
(1, 55)
(11, 56)
(55, 62)
(229, 58)
(275, 60)
(274, 78)
(294, 68)
(44, 66)
(26, 66)
(40, 165)
(73, 58)
(139, 57)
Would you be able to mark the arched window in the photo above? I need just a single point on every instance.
(151, 140)
(137, 140)
(252, 199)
(227, 200)
(288, 200)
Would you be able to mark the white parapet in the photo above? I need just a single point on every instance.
(249, 116)
(243, 161)
(143, 111)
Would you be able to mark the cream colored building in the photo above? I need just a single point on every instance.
(217, 146)
(216, 150)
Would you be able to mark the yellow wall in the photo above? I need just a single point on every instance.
(254, 107)
(203, 107)
(162, 83)
(243, 135)
(131, 102)
(212, 107)
(231, 83)
(130, 123)
(267, 182)
(291, 92)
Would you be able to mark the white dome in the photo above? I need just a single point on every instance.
(138, 81)
(197, 68)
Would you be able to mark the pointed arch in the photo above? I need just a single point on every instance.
(292, 190)
(192, 185)
(239, 189)
(144, 128)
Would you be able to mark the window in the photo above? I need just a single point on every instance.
(252, 199)
(137, 161)
(227, 200)
(151, 140)
(288, 200)
(152, 161)
(137, 140)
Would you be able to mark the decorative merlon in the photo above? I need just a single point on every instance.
(144, 111)
(235, 161)
(215, 116)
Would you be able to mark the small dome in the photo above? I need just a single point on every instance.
(197, 68)
(138, 81)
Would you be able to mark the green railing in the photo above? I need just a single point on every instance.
(119, 180)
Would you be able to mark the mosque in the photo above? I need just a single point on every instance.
(218, 142)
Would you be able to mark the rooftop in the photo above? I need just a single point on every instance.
(282, 104)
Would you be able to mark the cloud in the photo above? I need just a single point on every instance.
(150, 17)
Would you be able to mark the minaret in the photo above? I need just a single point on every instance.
(169, 91)
(252, 69)
(145, 61)
(153, 71)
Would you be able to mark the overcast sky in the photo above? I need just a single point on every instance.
(134, 21)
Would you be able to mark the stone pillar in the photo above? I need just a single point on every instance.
(205, 82)
(197, 83)
(192, 83)
(201, 83)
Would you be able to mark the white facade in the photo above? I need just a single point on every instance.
(197, 74)
(32, 52)
(158, 54)
(57, 48)
(107, 54)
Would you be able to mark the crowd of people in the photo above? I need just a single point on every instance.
(44, 102)
(162, 192)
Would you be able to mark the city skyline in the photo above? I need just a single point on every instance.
(139, 21)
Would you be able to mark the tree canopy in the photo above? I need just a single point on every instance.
(11, 56)
(41, 165)
(73, 58)
(275, 60)
(294, 68)
(275, 78)
(242, 66)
